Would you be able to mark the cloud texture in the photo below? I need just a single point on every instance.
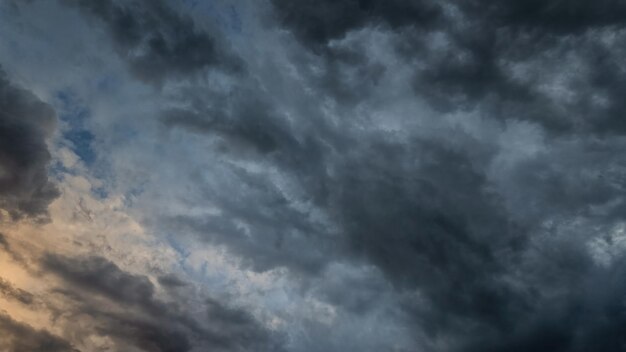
(330, 176)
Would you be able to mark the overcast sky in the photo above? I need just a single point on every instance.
(312, 175)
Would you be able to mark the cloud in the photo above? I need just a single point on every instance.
(157, 42)
(9, 291)
(138, 318)
(456, 212)
(437, 176)
(21, 337)
(550, 62)
(327, 20)
(25, 124)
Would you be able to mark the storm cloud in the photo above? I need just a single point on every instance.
(25, 124)
(144, 321)
(157, 42)
(338, 175)
(22, 337)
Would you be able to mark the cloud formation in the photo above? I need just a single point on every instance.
(344, 175)
(25, 124)
(157, 42)
(137, 318)
(22, 337)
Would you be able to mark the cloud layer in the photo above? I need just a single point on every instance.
(344, 175)
(25, 123)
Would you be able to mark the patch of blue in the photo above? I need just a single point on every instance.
(177, 246)
(56, 169)
(82, 144)
(74, 115)
(100, 192)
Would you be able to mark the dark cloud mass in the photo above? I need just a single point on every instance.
(25, 123)
(11, 292)
(466, 53)
(327, 20)
(18, 337)
(461, 161)
(147, 322)
(157, 42)
(500, 256)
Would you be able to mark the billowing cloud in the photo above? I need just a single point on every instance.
(21, 337)
(25, 124)
(137, 318)
(8, 290)
(343, 175)
(157, 42)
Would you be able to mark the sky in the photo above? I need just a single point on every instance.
(312, 176)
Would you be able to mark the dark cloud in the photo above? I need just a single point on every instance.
(560, 17)
(3, 242)
(149, 323)
(498, 256)
(466, 52)
(157, 42)
(25, 124)
(246, 126)
(103, 277)
(18, 337)
(171, 281)
(9, 291)
(327, 20)
(491, 217)
(585, 316)
(15, 255)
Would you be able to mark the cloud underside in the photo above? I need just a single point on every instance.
(21, 337)
(470, 152)
(25, 123)
(495, 239)
(94, 299)
(145, 322)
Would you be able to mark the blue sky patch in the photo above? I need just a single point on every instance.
(73, 115)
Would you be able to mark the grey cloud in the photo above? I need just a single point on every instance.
(436, 213)
(171, 281)
(25, 124)
(157, 42)
(551, 16)
(464, 52)
(584, 317)
(477, 212)
(149, 323)
(9, 291)
(327, 20)
(102, 276)
(4, 242)
(18, 337)
(15, 255)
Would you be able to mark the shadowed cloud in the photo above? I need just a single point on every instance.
(25, 124)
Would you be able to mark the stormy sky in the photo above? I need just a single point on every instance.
(312, 176)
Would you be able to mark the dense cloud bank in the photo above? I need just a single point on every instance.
(455, 168)
(493, 237)
(21, 337)
(157, 42)
(137, 318)
(25, 123)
